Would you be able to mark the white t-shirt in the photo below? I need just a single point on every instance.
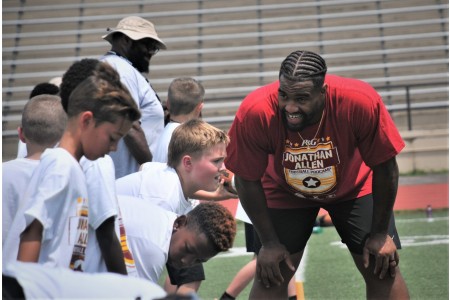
(149, 230)
(152, 119)
(16, 176)
(162, 146)
(100, 182)
(57, 197)
(43, 282)
(158, 184)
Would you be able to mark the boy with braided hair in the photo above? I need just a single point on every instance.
(311, 140)
(158, 237)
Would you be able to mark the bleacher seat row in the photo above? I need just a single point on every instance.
(235, 46)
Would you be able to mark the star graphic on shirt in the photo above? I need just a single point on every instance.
(311, 182)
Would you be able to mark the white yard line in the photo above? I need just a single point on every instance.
(421, 220)
(235, 251)
(300, 273)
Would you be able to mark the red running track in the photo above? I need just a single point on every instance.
(418, 196)
(409, 197)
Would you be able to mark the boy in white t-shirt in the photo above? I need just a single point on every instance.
(43, 123)
(157, 236)
(185, 98)
(195, 162)
(43, 88)
(53, 224)
(105, 252)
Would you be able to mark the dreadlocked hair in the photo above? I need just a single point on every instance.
(303, 65)
(216, 222)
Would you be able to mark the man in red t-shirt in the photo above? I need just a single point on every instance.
(311, 141)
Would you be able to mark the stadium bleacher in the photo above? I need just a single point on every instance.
(232, 47)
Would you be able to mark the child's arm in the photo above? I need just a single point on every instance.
(30, 242)
(110, 247)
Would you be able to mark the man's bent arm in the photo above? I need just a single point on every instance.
(379, 244)
(137, 144)
(384, 191)
(272, 253)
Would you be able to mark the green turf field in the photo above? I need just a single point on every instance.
(330, 272)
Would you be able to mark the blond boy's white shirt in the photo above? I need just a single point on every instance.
(158, 184)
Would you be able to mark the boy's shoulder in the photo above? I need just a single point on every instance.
(57, 154)
(19, 168)
(20, 162)
(159, 173)
(153, 166)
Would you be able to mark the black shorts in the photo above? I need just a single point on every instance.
(251, 239)
(185, 275)
(352, 220)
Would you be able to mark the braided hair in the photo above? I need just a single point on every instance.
(304, 65)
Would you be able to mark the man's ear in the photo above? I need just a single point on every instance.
(21, 135)
(324, 88)
(179, 222)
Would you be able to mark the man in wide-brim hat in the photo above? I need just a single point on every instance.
(134, 42)
(141, 34)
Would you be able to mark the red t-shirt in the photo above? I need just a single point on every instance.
(356, 133)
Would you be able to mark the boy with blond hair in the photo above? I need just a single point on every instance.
(195, 162)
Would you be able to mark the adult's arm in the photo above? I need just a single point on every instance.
(110, 247)
(137, 144)
(272, 253)
(379, 243)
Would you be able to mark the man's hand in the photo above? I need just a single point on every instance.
(383, 248)
(268, 264)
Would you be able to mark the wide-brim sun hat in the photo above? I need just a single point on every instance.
(135, 28)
